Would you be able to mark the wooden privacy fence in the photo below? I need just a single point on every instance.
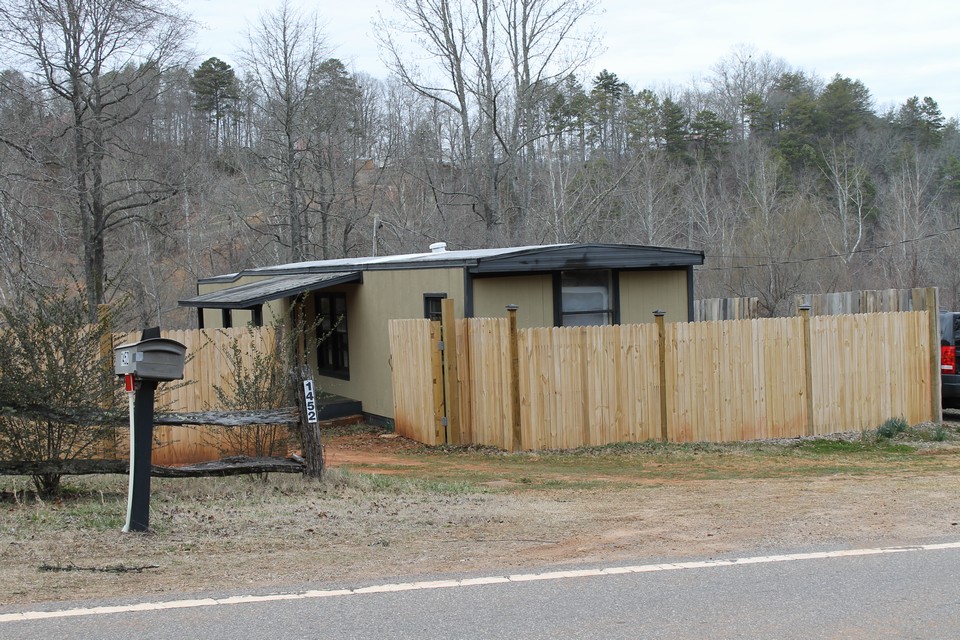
(709, 309)
(210, 363)
(869, 301)
(680, 382)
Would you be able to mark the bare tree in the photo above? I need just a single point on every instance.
(344, 146)
(742, 73)
(911, 216)
(100, 62)
(775, 234)
(282, 56)
(652, 202)
(446, 33)
(25, 237)
(494, 64)
(845, 213)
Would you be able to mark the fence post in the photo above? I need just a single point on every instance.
(807, 366)
(517, 441)
(662, 357)
(933, 308)
(436, 377)
(451, 380)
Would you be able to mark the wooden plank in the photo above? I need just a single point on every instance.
(760, 379)
(412, 379)
(513, 378)
(807, 371)
(287, 415)
(662, 368)
(451, 382)
(919, 301)
(677, 367)
(713, 372)
(487, 383)
(583, 376)
(534, 420)
(438, 432)
(731, 365)
(463, 374)
(931, 298)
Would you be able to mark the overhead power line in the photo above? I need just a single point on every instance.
(772, 261)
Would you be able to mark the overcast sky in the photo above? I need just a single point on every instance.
(897, 49)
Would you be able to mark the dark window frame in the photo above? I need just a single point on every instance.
(333, 345)
(256, 315)
(429, 299)
(613, 297)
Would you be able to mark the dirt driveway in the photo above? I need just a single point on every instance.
(447, 512)
(703, 509)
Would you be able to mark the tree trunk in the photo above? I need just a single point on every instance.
(308, 432)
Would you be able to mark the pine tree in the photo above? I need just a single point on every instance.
(216, 91)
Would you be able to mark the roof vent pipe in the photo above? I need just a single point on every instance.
(438, 247)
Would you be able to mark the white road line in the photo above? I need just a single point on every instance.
(466, 582)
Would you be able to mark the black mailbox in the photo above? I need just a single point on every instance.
(159, 359)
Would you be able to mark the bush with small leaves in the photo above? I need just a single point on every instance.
(59, 397)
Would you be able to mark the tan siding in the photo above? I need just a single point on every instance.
(533, 294)
(643, 292)
(383, 296)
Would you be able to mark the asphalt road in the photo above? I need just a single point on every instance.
(911, 592)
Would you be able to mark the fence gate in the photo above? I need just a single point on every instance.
(412, 378)
(426, 394)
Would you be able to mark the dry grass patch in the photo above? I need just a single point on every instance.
(223, 533)
(469, 510)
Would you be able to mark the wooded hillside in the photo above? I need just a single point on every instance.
(128, 167)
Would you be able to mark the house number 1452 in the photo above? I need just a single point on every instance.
(310, 401)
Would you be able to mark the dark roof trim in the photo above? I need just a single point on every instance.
(252, 294)
(589, 256)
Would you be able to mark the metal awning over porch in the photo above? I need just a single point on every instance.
(251, 294)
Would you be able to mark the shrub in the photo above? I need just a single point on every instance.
(257, 379)
(59, 398)
(270, 377)
(892, 427)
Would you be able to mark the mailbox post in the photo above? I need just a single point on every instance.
(144, 364)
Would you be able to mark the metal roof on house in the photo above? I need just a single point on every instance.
(535, 257)
(274, 287)
(288, 279)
